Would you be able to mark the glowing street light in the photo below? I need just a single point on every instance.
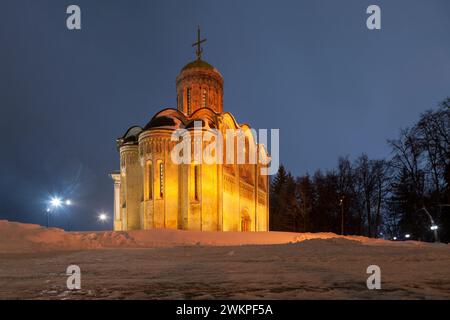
(103, 217)
(395, 238)
(68, 203)
(55, 202)
(433, 227)
(341, 204)
(407, 236)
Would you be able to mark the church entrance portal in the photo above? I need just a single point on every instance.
(245, 222)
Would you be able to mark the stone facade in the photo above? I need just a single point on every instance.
(151, 191)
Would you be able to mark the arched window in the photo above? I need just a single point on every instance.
(149, 193)
(123, 189)
(161, 179)
(188, 98)
(204, 98)
(196, 181)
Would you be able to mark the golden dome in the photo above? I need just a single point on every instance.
(198, 64)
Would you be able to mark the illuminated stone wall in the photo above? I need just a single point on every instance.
(131, 182)
(156, 193)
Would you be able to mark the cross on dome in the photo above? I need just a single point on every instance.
(197, 44)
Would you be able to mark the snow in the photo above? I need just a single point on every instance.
(20, 238)
(172, 264)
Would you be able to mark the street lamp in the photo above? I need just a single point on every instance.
(433, 227)
(341, 204)
(407, 236)
(55, 203)
(68, 202)
(47, 212)
(102, 217)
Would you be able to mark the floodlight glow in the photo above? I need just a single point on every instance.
(68, 202)
(434, 227)
(395, 238)
(55, 202)
(102, 217)
(407, 236)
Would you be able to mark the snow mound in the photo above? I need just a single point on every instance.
(23, 238)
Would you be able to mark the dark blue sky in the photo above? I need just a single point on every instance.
(310, 68)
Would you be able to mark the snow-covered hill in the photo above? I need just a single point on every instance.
(19, 237)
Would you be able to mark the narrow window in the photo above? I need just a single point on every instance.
(161, 180)
(188, 101)
(204, 98)
(123, 195)
(196, 179)
(149, 181)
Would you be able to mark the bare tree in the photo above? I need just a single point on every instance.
(382, 171)
(408, 157)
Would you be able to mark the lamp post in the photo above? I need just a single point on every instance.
(434, 226)
(68, 203)
(47, 212)
(341, 204)
(55, 203)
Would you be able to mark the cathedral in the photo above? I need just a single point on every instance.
(152, 191)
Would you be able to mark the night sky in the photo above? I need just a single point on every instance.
(310, 68)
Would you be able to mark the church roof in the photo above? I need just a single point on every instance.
(199, 63)
(173, 119)
(167, 118)
(163, 121)
(200, 66)
(130, 137)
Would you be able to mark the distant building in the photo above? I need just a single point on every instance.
(151, 191)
